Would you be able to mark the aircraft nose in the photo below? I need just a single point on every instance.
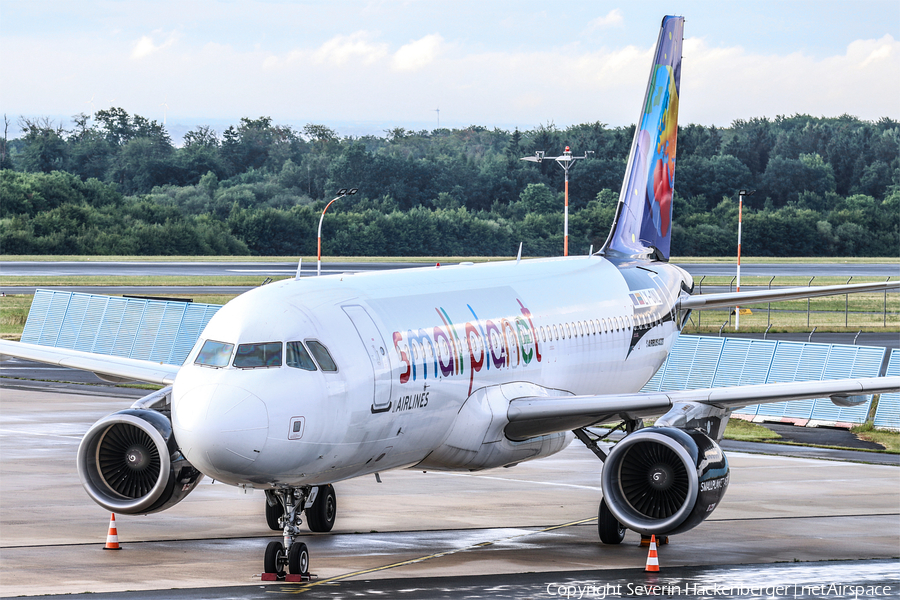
(221, 429)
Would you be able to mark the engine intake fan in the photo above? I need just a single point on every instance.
(664, 480)
(129, 463)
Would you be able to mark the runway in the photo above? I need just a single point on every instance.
(281, 269)
(447, 535)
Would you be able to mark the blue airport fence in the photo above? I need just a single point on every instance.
(705, 361)
(158, 330)
(887, 414)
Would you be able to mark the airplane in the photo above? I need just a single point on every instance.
(302, 383)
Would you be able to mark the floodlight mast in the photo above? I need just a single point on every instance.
(741, 194)
(566, 161)
(341, 194)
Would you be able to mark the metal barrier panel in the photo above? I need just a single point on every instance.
(783, 370)
(745, 362)
(811, 367)
(848, 361)
(156, 330)
(195, 318)
(678, 364)
(887, 414)
(705, 361)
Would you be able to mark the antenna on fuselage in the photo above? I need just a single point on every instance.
(519, 255)
(300, 265)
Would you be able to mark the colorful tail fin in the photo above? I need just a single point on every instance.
(643, 223)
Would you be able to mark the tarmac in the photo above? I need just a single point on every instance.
(431, 529)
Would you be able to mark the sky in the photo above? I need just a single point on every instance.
(364, 67)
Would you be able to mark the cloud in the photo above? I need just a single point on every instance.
(517, 86)
(145, 46)
(873, 50)
(613, 18)
(356, 46)
(420, 53)
(728, 83)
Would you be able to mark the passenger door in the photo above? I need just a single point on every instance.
(378, 355)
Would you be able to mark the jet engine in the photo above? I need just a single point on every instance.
(664, 480)
(129, 463)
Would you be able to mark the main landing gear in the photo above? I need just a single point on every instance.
(609, 528)
(320, 516)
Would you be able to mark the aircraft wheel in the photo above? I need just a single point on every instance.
(321, 515)
(274, 561)
(273, 513)
(298, 559)
(611, 531)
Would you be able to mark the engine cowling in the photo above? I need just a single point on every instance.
(664, 480)
(129, 463)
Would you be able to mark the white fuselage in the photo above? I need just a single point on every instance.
(427, 360)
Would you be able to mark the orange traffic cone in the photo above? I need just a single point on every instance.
(112, 538)
(652, 558)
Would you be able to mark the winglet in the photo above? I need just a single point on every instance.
(643, 222)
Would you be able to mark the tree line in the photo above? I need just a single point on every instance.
(114, 183)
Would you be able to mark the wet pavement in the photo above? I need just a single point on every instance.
(525, 532)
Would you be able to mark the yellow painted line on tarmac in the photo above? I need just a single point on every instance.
(306, 586)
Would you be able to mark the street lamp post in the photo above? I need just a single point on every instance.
(566, 161)
(341, 194)
(737, 309)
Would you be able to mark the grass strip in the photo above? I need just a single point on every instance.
(747, 431)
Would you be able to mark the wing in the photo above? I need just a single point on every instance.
(530, 417)
(797, 293)
(111, 368)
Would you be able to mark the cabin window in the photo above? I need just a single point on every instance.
(298, 357)
(568, 331)
(255, 356)
(322, 356)
(555, 332)
(214, 354)
(593, 329)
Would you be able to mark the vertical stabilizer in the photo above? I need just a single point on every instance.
(643, 223)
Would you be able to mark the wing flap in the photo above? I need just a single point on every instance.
(124, 369)
(531, 417)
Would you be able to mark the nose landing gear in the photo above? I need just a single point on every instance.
(290, 554)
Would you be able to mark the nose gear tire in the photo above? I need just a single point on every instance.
(298, 559)
(274, 559)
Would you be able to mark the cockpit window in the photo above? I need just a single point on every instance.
(254, 356)
(321, 355)
(214, 354)
(298, 357)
